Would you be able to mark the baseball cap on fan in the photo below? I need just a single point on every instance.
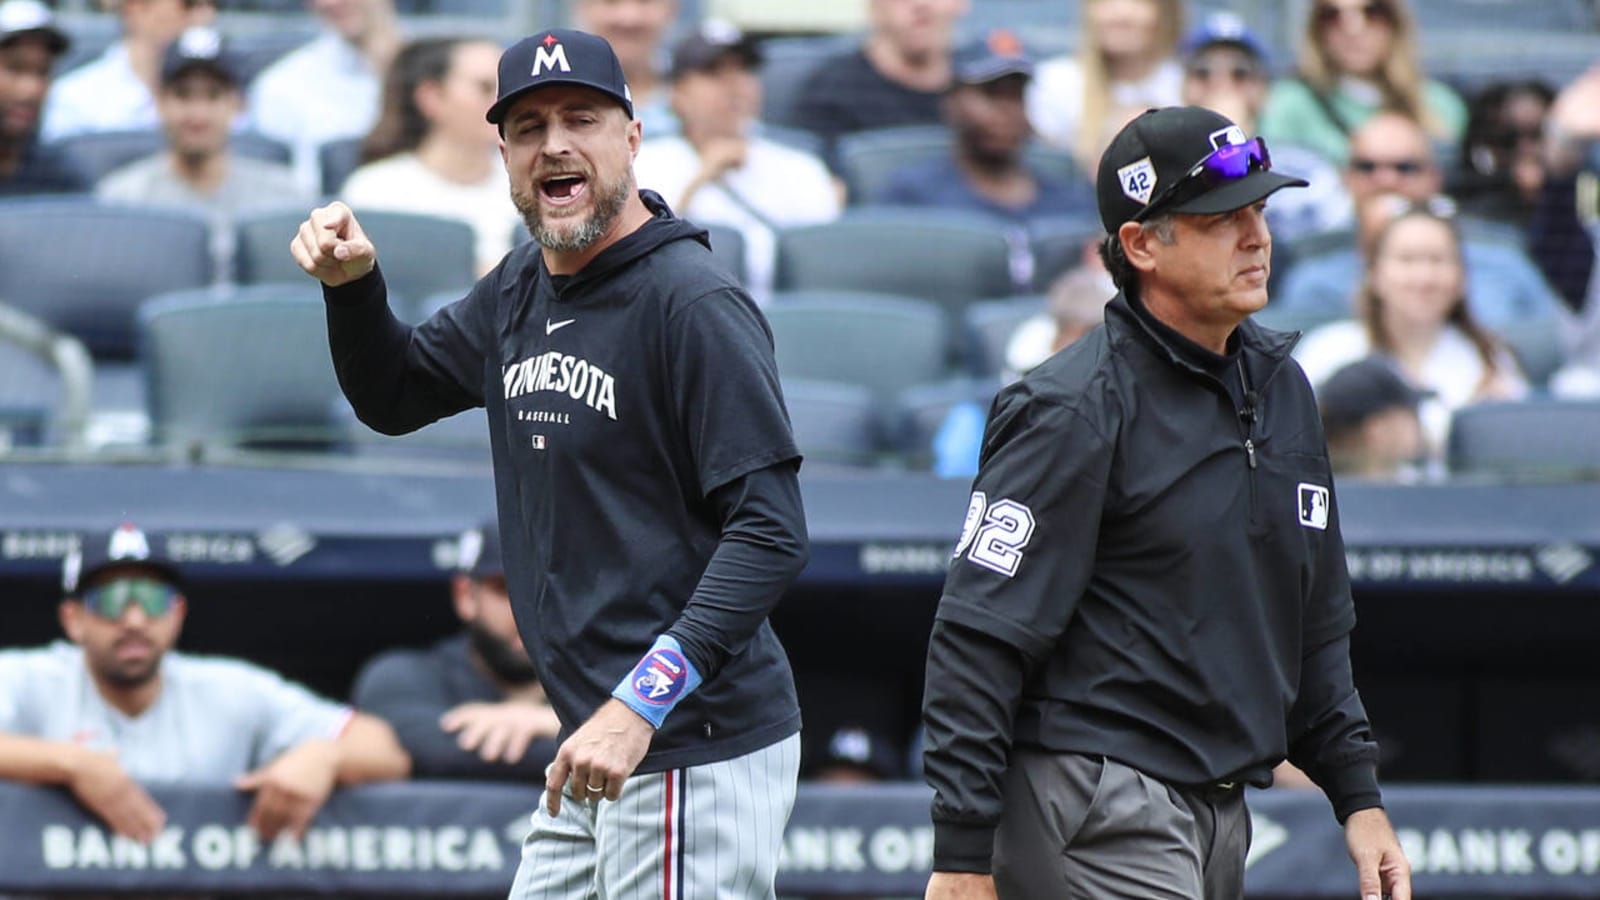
(200, 49)
(126, 546)
(25, 18)
(480, 552)
(559, 56)
(706, 47)
(1160, 148)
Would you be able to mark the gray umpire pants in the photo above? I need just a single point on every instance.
(1086, 827)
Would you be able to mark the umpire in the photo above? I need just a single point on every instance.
(1148, 607)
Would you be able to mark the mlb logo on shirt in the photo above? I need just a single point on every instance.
(1314, 506)
(538, 442)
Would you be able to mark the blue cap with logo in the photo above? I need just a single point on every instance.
(126, 546)
(998, 54)
(559, 56)
(1223, 27)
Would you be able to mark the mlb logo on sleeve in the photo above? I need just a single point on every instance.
(1314, 506)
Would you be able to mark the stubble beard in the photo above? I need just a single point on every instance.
(580, 235)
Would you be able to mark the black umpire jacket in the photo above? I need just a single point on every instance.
(1150, 570)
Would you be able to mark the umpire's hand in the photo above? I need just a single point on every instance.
(331, 246)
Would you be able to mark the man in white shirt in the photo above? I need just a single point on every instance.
(116, 90)
(118, 709)
(329, 88)
(720, 171)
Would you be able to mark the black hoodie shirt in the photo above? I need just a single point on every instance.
(1150, 570)
(644, 467)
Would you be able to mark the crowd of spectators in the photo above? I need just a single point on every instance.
(1504, 165)
(1443, 225)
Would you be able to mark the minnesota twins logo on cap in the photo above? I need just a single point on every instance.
(560, 56)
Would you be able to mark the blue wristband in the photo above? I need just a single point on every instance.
(662, 678)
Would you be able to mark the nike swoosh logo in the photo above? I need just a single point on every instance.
(551, 327)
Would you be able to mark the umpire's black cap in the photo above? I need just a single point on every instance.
(1159, 148)
(555, 57)
(126, 546)
(480, 552)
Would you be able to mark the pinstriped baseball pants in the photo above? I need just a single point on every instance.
(710, 832)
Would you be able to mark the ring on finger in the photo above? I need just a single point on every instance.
(595, 790)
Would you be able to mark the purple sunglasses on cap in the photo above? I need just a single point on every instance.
(1230, 162)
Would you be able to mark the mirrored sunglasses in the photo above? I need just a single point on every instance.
(111, 599)
(1221, 166)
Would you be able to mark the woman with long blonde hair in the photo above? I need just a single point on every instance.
(1126, 63)
(1356, 58)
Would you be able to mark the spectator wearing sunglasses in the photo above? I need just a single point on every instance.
(1356, 58)
(1500, 165)
(115, 709)
(1390, 168)
(1226, 70)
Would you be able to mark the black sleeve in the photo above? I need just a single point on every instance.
(974, 683)
(1558, 241)
(1329, 736)
(407, 693)
(762, 551)
(400, 378)
(724, 381)
(1025, 556)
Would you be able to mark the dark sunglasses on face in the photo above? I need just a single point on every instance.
(1237, 74)
(1371, 13)
(111, 599)
(1399, 167)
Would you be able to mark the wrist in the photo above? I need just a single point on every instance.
(658, 682)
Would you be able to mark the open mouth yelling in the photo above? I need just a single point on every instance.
(563, 190)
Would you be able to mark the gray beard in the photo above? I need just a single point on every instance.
(572, 238)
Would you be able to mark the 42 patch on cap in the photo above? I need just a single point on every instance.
(1138, 180)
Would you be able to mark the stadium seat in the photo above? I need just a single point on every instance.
(948, 258)
(246, 368)
(336, 160)
(101, 153)
(990, 324)
(1058, 245)
(868, 160)
(834, 424)
(881, 343)
(30, 394)
(83, 267)
(920, 412)
(727, 248)
(1554, 439)
(420, 255)
(1538, 345)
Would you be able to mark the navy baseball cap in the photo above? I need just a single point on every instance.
(998, 54)
(480, 552)
(126, 546)
(555, 57)
(1363, 389)
(203, 49)
(1223, 27)
(30, 18)
(711, 43)
(1161, 148)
